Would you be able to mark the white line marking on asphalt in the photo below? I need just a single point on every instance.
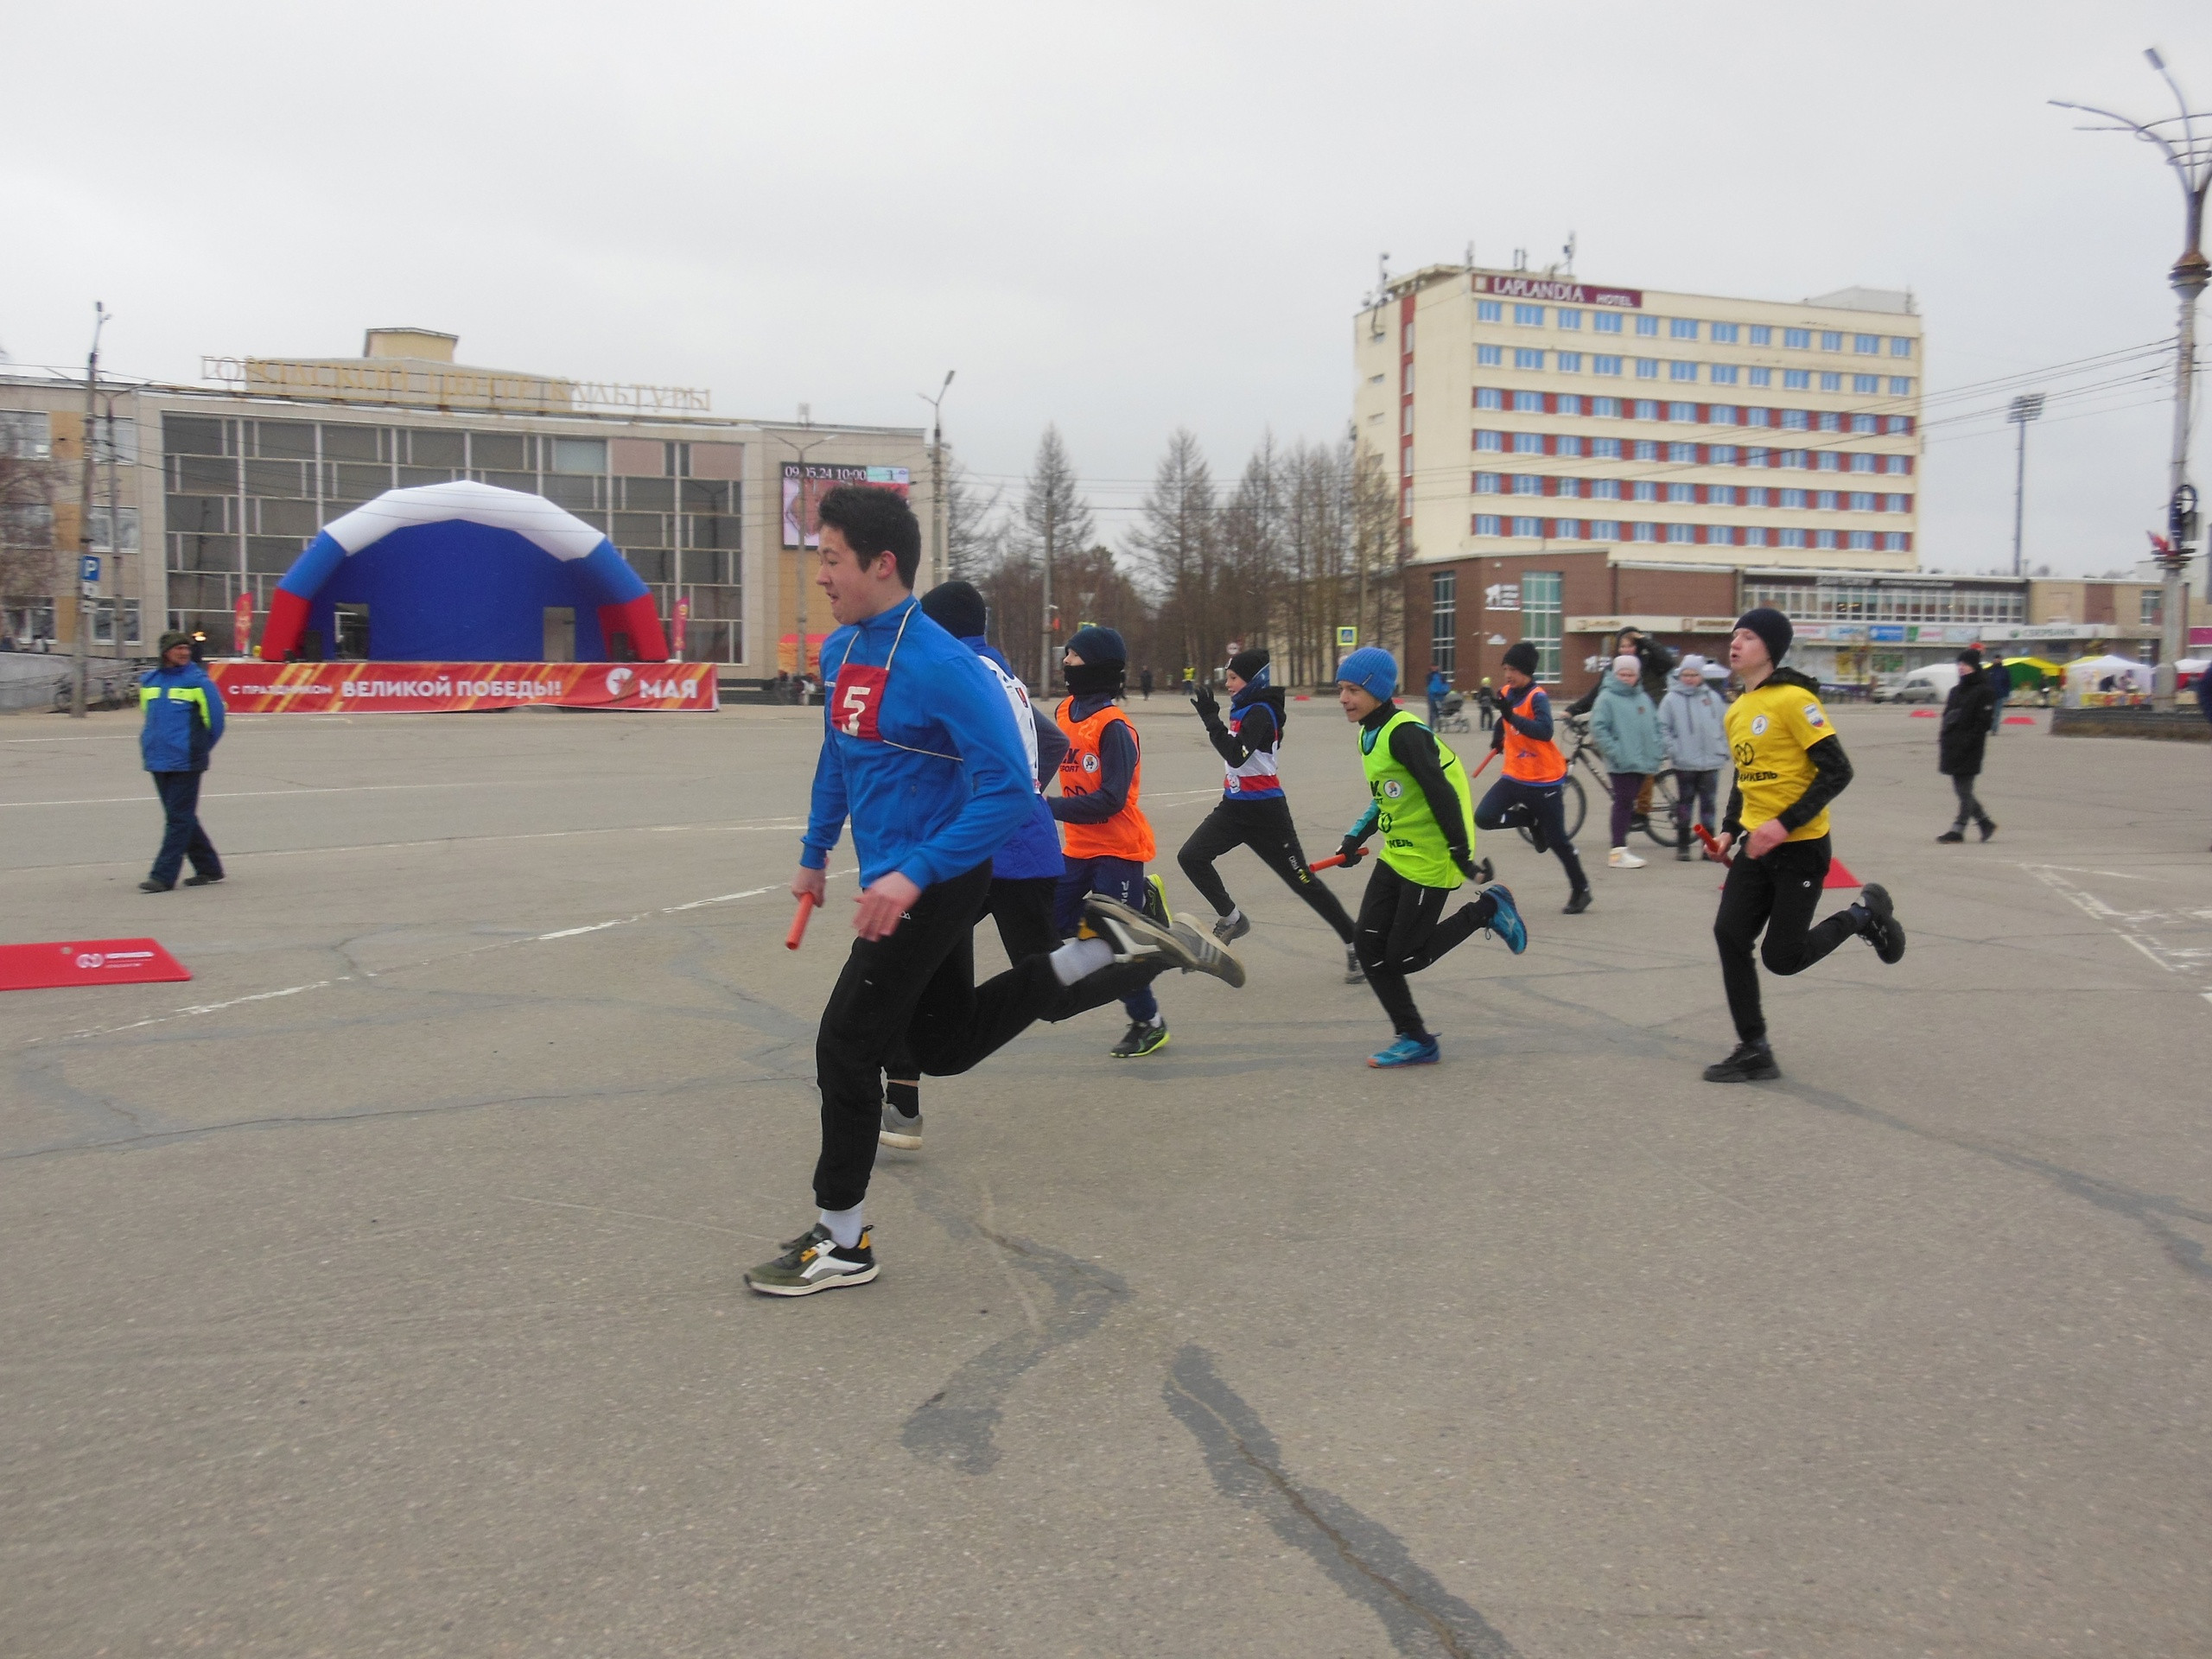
(2136, 926)
(426, 962)
(345, 789)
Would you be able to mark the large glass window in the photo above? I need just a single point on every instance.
(1647, 325)
(1532, 528)
(1647, 368)
(1761, 334)
(1606, 322)
(1528, 317)
(1569, 362)
(1541, 618)
(1528, 403)
(1486, 524)
(1443, 621)
(1724, 374)
(1681, 327)
(1488, 397)
(1527, 443)
(1798, 339)
(1682, 371)
(1604, 365)
(26, 434)
(1489, 441)
(1569, 319)
(1489, 357)
(1488, 311)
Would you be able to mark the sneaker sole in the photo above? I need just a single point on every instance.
(904, 1142)
(1177, 948)
(1398, 1065)
(1745, 1077)
(1138, 1053)
(836, 1282)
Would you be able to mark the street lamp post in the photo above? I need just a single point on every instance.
(939, 519)
(2026, 407)
(86, 588)
(2190, 155)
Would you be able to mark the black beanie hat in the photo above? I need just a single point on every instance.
(1971, 657)
(1523, 657)
(956, 607)
(1246, 664)
(1773, 629)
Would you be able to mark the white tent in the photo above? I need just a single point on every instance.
(2092, 681)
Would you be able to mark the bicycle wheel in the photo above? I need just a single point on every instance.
(1660, 826)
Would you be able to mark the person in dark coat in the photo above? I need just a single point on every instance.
(183, 722)
(1967, 715)
(2000, 687)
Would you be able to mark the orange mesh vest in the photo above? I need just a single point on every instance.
(1127, 834)
(1528, 760)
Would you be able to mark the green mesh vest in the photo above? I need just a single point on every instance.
(1412, 843)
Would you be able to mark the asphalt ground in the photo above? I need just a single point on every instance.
(377, 1292)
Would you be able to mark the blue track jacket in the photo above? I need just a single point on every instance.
(184, 718)
(919, 751)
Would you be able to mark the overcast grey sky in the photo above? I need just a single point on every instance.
(1121, 218)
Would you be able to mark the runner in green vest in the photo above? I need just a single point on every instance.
(1425, 811)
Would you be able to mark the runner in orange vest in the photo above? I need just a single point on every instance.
(1528, 797)
(1105, 839)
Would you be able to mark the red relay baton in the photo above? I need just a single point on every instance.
(806, 903)
(1712, 845)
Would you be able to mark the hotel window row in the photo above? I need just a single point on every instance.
(1606, 321)
(1652, 409)
(1689, 454)
(1610, 530)
(1531, 359)
(1690, 495)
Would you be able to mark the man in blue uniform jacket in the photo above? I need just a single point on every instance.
(922, 753)
(184, 722)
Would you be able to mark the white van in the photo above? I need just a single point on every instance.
(1930, 684)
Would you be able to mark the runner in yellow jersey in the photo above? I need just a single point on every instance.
(1789, 764)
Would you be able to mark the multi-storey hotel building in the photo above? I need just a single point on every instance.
(1524, 411)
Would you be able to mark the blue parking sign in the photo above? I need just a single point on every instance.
(88, 567)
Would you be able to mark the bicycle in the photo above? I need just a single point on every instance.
(1573, 801)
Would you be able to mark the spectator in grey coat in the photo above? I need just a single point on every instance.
(1691, 719)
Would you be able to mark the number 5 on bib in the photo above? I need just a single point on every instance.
(856, 699)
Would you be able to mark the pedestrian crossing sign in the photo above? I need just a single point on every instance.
(1347, 637)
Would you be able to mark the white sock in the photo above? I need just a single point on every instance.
(844, 1225)
(1080, 958)
(1230, 915)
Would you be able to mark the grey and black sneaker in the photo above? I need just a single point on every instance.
(1354, 974)
(813, 1261)
(1751, 1063)
(1230, 928)
(1140, 1039)
(1881, 928)
(1135, 936)
(900, 1130)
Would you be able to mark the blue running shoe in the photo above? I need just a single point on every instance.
(1506, 923)
(1408, 1050)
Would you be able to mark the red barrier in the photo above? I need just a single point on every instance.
(251, 687)
(85, 962)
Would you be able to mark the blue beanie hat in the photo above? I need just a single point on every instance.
(1373, 669)
(1097, 645)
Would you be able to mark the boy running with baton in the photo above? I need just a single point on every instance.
(1789, 764)
(1528, 797)
(1423, 807)
(1253, 811)
(921, 753)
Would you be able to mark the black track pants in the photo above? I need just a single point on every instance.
(1779, 893)
(1511, 804)
(916, 991)
(1022, 907)
(1265, 827)
(1403, 929)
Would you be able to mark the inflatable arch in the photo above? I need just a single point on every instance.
(465, 572)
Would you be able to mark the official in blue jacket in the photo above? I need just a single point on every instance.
(922, 753)
(184, 722)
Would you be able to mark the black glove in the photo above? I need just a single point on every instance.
(1203, 700)
(1465, 860)
(1349, 850)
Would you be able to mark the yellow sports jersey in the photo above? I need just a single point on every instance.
(1768, 731)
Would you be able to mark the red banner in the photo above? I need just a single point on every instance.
(251, 687)
(85, 962)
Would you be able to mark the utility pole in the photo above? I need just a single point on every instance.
(2025, 408)
(2188, 149)
(84, 517)
(940, 518)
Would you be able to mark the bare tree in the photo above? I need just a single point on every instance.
(27, 482)
(975, 530)
(1054, 517)
(1179, 543)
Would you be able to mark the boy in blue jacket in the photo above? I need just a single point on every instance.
(922, 753)
(184, 722)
